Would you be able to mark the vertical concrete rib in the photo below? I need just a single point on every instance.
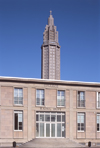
(71, 115)
(29, 115)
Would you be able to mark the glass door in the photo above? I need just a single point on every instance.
(47, 130)
(50, 124)
(52, 129)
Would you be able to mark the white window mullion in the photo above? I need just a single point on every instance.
(18, 121)
(18, 96)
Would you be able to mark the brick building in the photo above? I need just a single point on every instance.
(49, 108)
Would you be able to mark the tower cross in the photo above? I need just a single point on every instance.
(50, 12)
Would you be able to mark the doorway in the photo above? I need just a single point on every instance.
(50, 124)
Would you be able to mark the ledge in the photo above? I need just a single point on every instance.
(48, 81)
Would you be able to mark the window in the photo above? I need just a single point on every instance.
(18, 120)
(81, 99)
(18, 96)
(98, 122)
(80, 121)
(50, 124)
(60, 98)
(98, 99)
(39, 97)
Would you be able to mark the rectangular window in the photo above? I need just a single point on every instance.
(39, 97)
(18, 120)
(60, 98)
(50, 124)
(81, 121)
(98, 99)
(98, 122)
(18, 96)
(81, 99)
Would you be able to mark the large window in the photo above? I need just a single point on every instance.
(39, 97)
(81, 121)
(60, 98)
(50, 124)
(18, 120)
(98, 99)
(98, 122)
(81, 99)
(18, 96)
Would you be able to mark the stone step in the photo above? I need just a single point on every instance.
(51, 143)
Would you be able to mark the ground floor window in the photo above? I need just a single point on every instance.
(81, 121)
(18, 120)
(50, 124)
(98, 122)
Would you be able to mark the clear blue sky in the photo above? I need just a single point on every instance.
(22, 23)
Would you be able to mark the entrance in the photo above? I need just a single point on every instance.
(50, 124)
(50, 129)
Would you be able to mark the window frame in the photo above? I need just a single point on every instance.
(83, 114)
(40, 104)
(18, 112)
(44, 120)
(80, 104)
(60, 98)
(97, 100)
(98, 123)
(18, 96)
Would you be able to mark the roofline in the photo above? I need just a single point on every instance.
(48, 81)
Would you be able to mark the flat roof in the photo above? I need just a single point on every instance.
(48, 81)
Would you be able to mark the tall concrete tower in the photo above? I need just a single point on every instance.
(50, 68)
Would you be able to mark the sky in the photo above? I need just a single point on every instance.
(22, 23)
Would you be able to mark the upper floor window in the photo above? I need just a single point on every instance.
(98, 99)
(81, 121)
(81, 99)
(18, 96)
(98, 122)
(18, 120)
(60, 98)
(39, 97)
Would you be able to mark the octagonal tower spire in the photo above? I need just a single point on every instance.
(50, 67)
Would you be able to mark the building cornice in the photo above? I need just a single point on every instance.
(49, 81)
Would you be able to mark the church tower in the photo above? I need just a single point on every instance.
(50, 52)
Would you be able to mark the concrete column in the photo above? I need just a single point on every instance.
(29, 115)
(71, 116)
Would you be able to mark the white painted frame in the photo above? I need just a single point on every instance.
(18, 112)
(50, 122)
